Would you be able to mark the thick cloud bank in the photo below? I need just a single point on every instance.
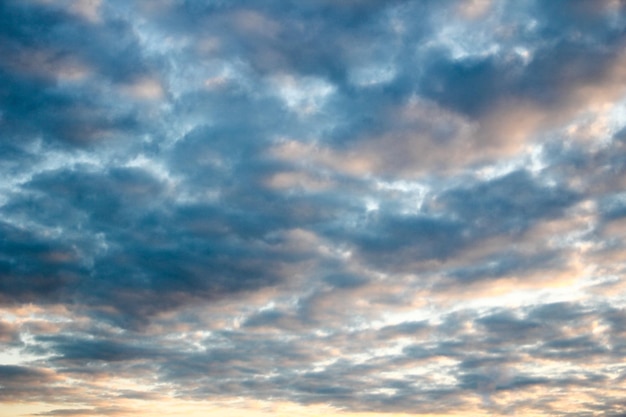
(392, 206)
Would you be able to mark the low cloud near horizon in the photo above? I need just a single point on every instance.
(313, 207)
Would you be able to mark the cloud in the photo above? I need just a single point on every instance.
(103, 411)
(399, 206)
(29, 382)
(94, 350)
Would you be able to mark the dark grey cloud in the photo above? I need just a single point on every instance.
(564, 39)
(28, 382)
(460, 218)
(61, 74)
(20, 372)
(35, 269)
(504, 264)
(515, 201)
(73, 349)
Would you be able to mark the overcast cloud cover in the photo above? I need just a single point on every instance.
(307, 207)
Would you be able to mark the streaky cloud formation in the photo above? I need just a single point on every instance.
(355, 208)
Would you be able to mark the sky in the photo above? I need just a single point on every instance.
(348, 208)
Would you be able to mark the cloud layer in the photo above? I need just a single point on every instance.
(373, 206)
